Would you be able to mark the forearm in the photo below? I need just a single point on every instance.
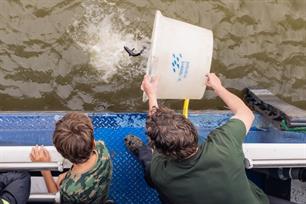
(152, 103)
(50, 183)
(232, 101)
(237, 106)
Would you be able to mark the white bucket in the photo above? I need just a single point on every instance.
(181, 56)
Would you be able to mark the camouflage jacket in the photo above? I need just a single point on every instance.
(92, 186)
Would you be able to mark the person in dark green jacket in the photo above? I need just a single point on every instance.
(185, 172)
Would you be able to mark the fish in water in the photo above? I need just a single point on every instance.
(132, 52)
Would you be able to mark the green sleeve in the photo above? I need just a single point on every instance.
(157, 163)
(157, 160)
(230, 134)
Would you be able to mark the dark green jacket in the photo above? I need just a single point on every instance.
(215, 175)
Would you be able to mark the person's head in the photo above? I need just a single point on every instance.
(73, 137)
(171, 134)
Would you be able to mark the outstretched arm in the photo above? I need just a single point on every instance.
(41, 154)
(235, 104)
(149, 86)
(50, 183)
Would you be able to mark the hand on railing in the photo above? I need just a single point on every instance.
(40, 154)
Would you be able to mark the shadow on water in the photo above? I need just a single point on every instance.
(68, 54)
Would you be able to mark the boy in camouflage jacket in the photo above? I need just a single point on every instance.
(88, 179)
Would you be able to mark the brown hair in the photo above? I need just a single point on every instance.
(171, 134)
(73, 137)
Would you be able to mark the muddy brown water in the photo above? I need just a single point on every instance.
(68, 54)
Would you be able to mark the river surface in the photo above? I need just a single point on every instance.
(68, 54)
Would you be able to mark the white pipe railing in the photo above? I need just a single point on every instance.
(45, 197)
(31, 166)
(274, 155)
(276, 163)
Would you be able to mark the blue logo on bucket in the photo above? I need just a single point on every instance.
(179, 66)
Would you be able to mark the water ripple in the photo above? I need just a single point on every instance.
(67, 54)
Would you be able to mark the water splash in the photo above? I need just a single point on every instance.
(102, 32)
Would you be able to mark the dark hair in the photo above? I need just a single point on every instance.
(73, 137)
(171, 134)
